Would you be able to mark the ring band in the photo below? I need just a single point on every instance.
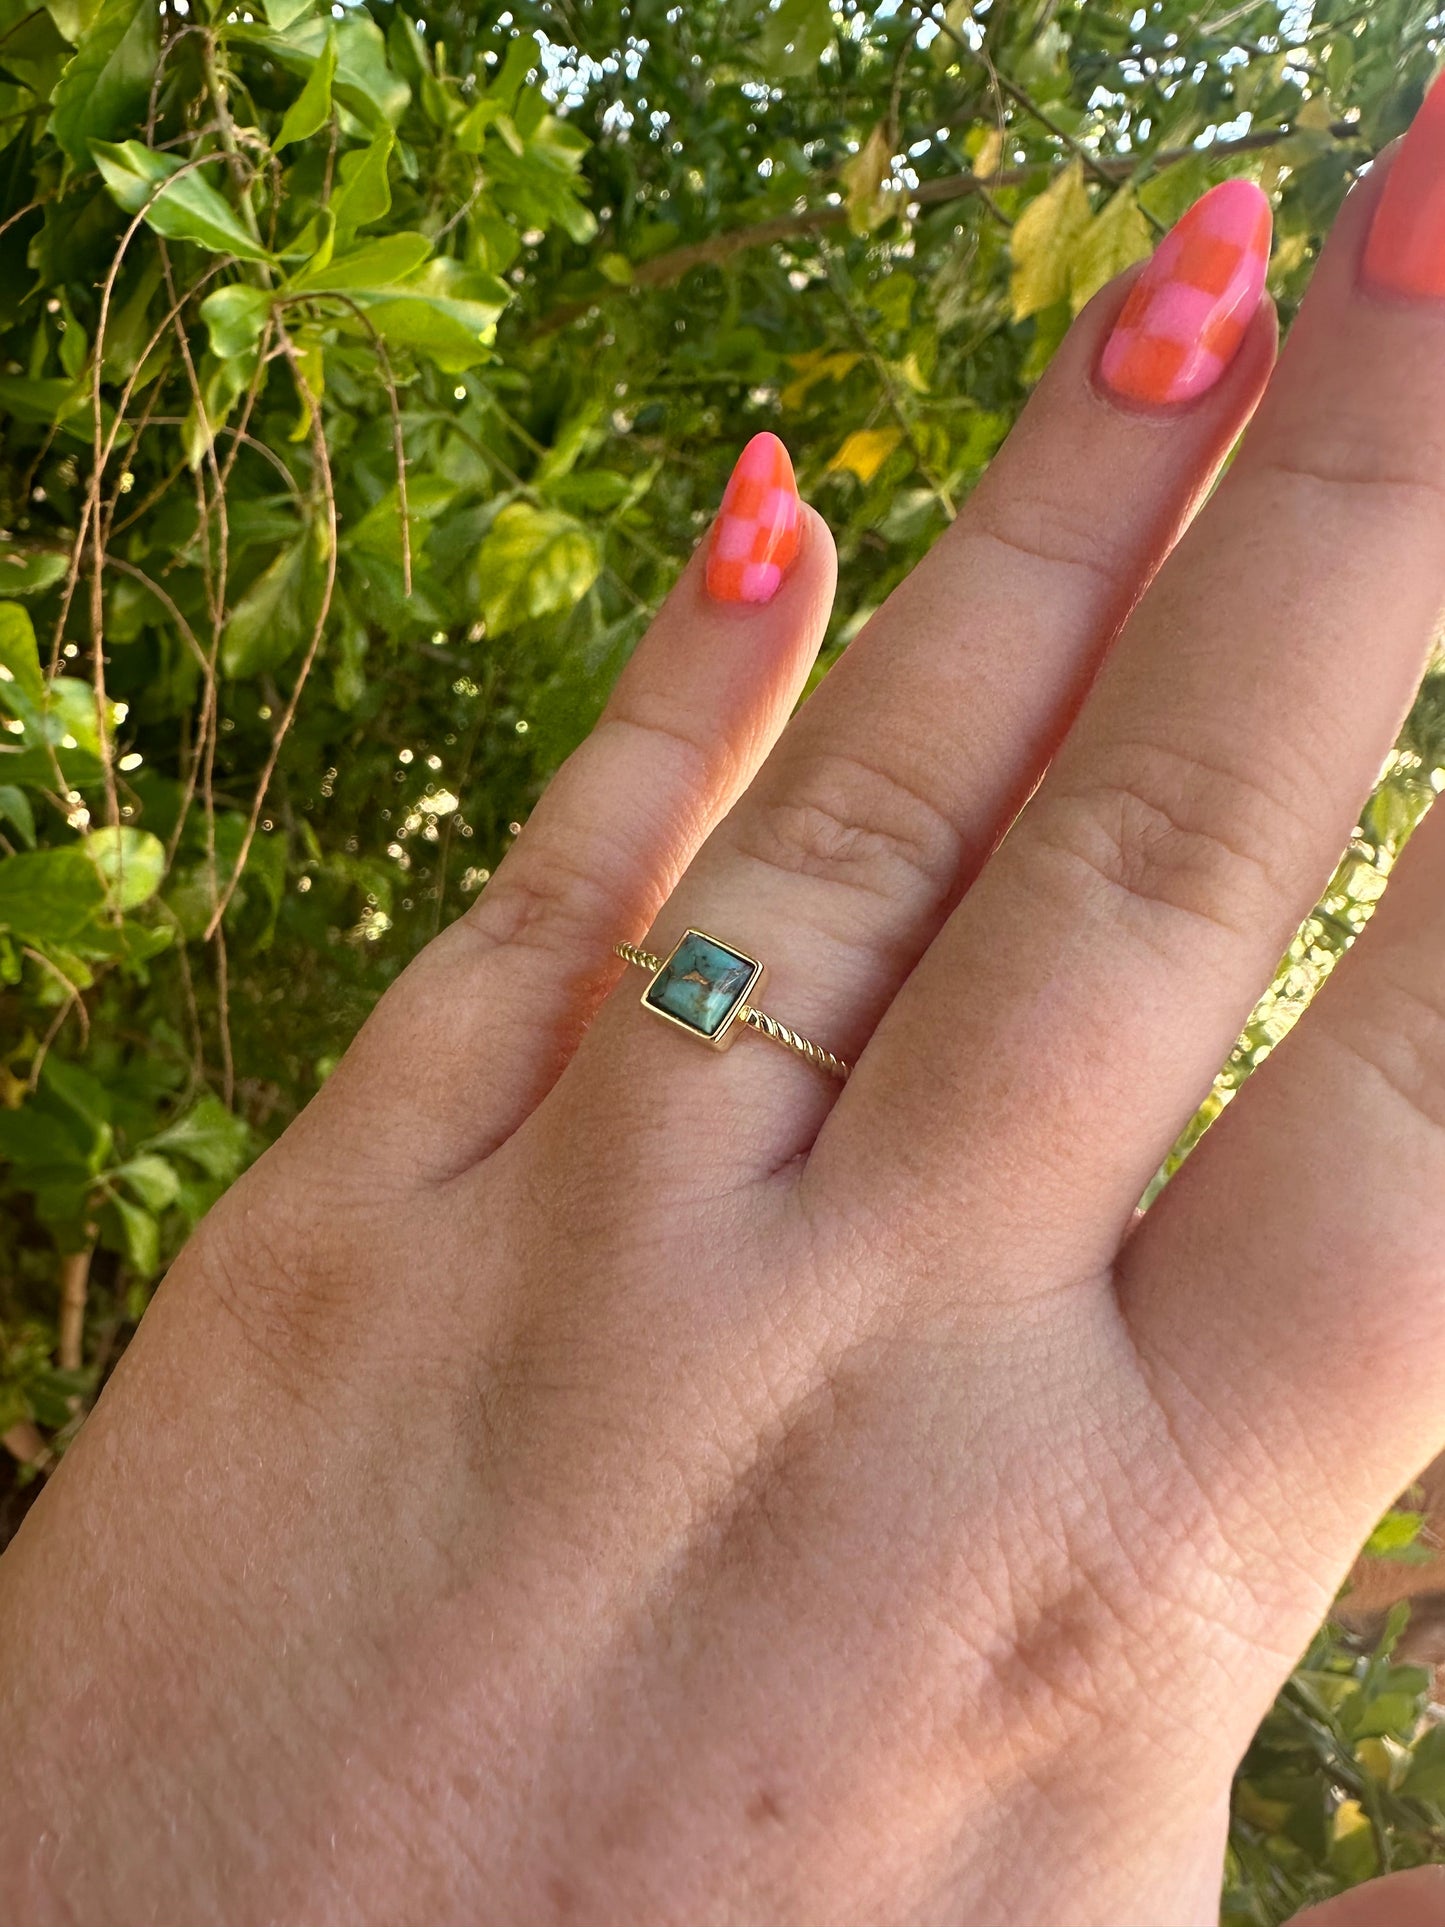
(704, 988)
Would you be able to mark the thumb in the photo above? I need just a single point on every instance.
(1413, 1899)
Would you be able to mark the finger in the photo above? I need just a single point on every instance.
(469, 1038)
(1077, 1007)
(1297, 1262)
(888, 789)
(1415, 1898)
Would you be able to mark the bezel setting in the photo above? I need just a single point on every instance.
(694, 948)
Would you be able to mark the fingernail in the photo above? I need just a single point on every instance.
(758, 527)
(1187, 313)
(1405, 253)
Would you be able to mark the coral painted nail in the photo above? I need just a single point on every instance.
(1405, 253)
(1187, 313)
(758, 527)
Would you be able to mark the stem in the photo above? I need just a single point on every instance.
(74, 1291)
(25, 1444)
(663, 269)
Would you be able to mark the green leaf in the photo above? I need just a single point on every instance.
(277, 614)
(533, 562)
(140, 1236)
(363, 82)
(211, 1137)
(1393, 1712)
(373, 269)
(20, 657)
(50, 896)
(794, 38)
(379, 531)
(1115, 239)
(152, 1178)
(31, 573)
(1043, 240)
(32, 1140)
(285, 13)
(1425, 1777)
(46, 400)
(182, 207)
(132, 864)
(34, 51)
(447, 313)
(70, 711)
(365, 191)
(72, 17)
(1395, 1532)
(311, 109)
(15, 809)
(80, 1092)
(106, 86)
(235, 317)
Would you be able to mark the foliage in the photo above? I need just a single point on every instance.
(367, 373)
(1345, 1780)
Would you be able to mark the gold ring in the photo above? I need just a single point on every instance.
(704, 988)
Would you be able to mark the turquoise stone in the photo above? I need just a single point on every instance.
(702, 983)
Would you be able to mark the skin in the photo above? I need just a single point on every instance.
(575, 1477)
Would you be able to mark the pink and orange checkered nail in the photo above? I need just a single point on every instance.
(758, 528)
(1187, 313)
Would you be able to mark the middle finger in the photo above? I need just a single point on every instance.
(1072, 1015)
(887, 791)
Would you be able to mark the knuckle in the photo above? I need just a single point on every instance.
(847, 822)
(259, 1279)
(1165, 831)
(1354, 469)
(1050, 533)
(668, 736)
(1397, 1034)
(540, 902)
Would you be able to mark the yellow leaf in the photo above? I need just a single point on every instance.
(1117, 237)
(1043, 240)
(865, 451)
(864, 177)
(815, 366)
(944, 48)
(988, 154)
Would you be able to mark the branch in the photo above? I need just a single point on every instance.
(74, 1291)
(663, 269)
(26, 1445)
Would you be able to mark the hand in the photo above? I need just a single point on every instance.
(633, 1484)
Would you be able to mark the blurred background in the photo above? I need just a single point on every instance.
(367, 373)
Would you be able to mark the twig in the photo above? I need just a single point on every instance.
(188, 634)
(397, 442)
(288, 715)
(241, 439)
(663, 269)
(26, 1446)
(90, 513)
(223, 1016)
(889, 386)
(73, 1001)
(74, 1291)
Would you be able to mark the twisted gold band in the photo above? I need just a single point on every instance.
(630, 953)
(741, 1013)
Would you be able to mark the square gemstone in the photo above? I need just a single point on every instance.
(703, 985)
